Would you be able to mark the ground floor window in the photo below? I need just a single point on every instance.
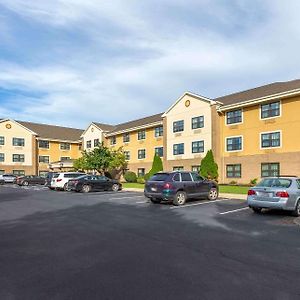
(234, 171)
(2, 172)
(196, 169)
(270, 169)
(43, 173)
(141, 172)
(19, 172)
(178, 168)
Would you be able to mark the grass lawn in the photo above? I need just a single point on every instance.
(228, 189)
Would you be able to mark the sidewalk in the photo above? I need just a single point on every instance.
(222, 195)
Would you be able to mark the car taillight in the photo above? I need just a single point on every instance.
(58, 180)
(167, 186)
(251, 193)
(282, 194)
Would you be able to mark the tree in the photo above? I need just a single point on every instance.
(80, 164)
(157, 166)
(208, 167)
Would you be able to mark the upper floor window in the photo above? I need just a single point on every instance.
(43, 144)
(141, 154)
(96, 142)
(65, 146)
(88, 144)
(113, 140)
(2, 157)
(198, 122)
(178, 149)
(159, 131)
(270, 110)
(20, 142)
(178, 126)
(127, 155)
(141, 134)
(2, 140)
(44, 159)
(126, 137)
(270, 139)
(65, 158)
(18, 157)
(198, 147)
(159, 151)
(234, 143)
(233, 117)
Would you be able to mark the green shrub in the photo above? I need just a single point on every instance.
(253, 181)
(209, 168)
(130, 176)
(233, 182)
(147, 176)
(157, 166)
(140, 180)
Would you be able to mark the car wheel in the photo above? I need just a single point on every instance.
(155, 200)
(296, 212)
(257, 209)
(65, 187)
(25, 183)
(115, 187)
(86, 188)
(180, 198)
(213, 194)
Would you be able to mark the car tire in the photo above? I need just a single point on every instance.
(65, 188)
(213, 194)
(115, 187)
(296, 212)
(180, 198)
(257, 210)
(25, 183)
(155, 200)
(86, 188)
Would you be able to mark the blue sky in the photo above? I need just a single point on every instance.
(70, 62)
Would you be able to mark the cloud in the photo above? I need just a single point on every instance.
(114, 62)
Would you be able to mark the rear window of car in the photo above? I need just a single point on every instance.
(275, 182)
(159, 177)
(55, 175)
(72, 175)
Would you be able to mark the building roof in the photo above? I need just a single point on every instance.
(53, 132)
(104, 127)
(259, 92)
(137, 123)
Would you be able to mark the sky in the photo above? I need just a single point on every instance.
(71, 62)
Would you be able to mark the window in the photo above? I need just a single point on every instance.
(234, 143)
(198, 122)
(159, 177)
(141, 135)
(198, 147)
(176, 177)
(2, 172)
(44, 159)
(196, 169)
(178, 149)
(141, 172)
(127, 155)
(186, 177)
(2, 140)
(270, 169)
(96, 142)
(126, 138)
(159, 131)
(2, 157)
(196, 177)
(89, 144)
(298, 182)
(178, 126)
(65, 146)
(270, 110)
(275, 183)
(18, 157)
(20, 142)
(234, 171)
(159, 151)
(19, 172)
(43, 144)
(43, 173)
(113, 140)
(234, 117)
(270, 140)
(141, 154)
(65, 158)
(178, 168)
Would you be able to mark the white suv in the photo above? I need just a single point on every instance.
(60, 180)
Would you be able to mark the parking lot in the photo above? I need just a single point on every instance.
(62, 245)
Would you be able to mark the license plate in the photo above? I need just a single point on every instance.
(154, 189)
(266, 194)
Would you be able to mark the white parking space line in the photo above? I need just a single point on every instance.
(127, 197)
(142, 202)
(232, 211)
(196, 204)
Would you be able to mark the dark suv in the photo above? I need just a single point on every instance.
(179, 186)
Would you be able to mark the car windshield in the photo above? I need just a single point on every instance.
(159, 177)
(275, 182)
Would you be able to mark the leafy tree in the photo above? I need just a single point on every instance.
(157, 166)
(208, 167)
(80, 164)
(130, 176)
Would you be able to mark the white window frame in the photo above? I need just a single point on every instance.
(234, 123)
(232, 137)
(268, 132)
(138, 153)
(60, 159)
(269, 102)
(44, 148)
(65, 149)
(44, 156)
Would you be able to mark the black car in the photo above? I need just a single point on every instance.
(179, 186)
(30, 179)
(88, 183)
